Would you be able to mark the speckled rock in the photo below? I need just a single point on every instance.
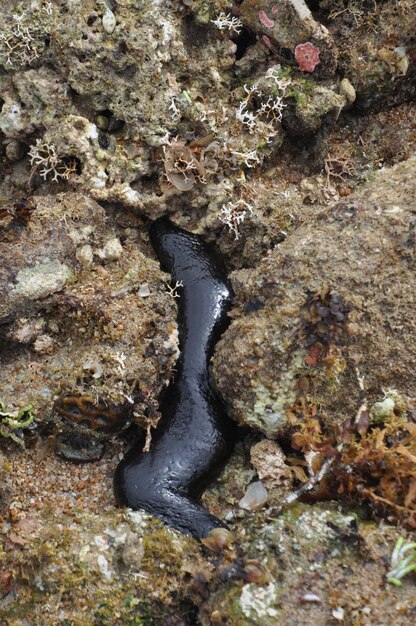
(308, 567)
(375, 51)
(77, 317)
(312, 108)
(90, 105)
(40, 281)
(38, 258)
(336, 297)
(107, 554)
(288, 24)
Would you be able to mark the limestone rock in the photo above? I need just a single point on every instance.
(338, 296)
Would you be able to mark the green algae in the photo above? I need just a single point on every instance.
(13, 422)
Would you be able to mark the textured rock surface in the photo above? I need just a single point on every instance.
(288, 24)
(105, 340)
(337, 295)
(113, 113)
(315, 564)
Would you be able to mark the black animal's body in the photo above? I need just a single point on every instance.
(194, 436)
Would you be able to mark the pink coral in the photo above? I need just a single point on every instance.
(265, 20)
(307, 56)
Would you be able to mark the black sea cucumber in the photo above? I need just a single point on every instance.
(194, 437)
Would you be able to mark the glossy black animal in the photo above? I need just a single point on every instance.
(194, 436)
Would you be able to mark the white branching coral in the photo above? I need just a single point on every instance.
(259, 111)
(273, 74)
(120, 358)
(173, 290)
(227, 21)
(233, 214)
(48, 8)
(271, 105)
(174, 111)
(250, 158)
(273, 108)
(246, 117)
(22, 36)
(45, 156)
(18, 45)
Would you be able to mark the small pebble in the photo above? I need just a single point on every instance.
(310, 597)
(338, 613)
(255, 496)
(44, 344)
(109, 21)
(15, 150)
(85, 254)
(347, 90)
(112, 250)
(143, 290)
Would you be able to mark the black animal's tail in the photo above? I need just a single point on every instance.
(177, 510)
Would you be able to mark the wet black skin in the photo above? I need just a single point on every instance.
(194, 437)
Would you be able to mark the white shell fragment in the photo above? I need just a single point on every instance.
(255, 496)
(94, 367)
(143, 290)
(338, 614)
(109, 21)
(310, 597)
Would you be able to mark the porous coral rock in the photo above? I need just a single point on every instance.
(287, 24)
(44, 93)
(92, 311)
(167, 70)
(314, 560)
(262, 359)
(268, 460)
(138, 106)
(313, 107)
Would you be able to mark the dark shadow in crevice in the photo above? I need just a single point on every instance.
(313, 5)
(243, 40)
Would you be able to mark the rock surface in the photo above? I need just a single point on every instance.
(284, 133)
(336, 296)
(90, 331)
